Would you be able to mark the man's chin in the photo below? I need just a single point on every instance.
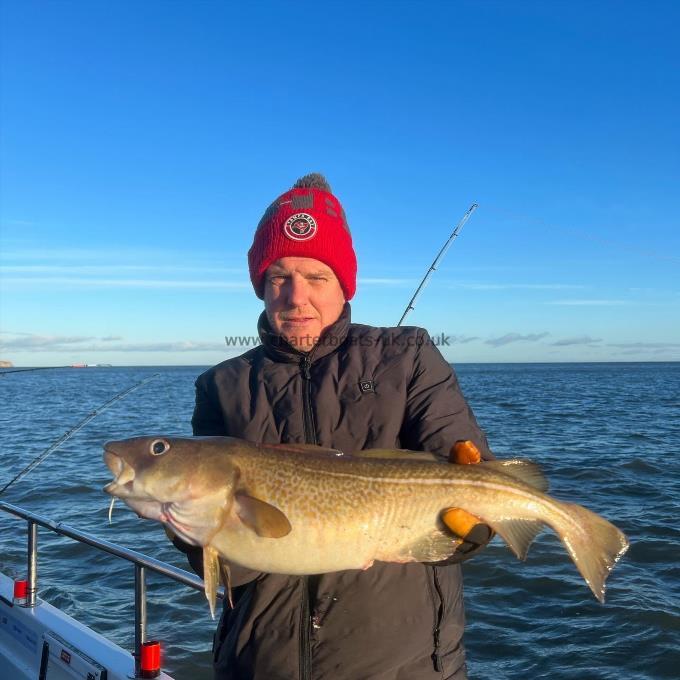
(302, 339)
(303, 343)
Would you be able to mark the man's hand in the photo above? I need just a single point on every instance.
(470, 528)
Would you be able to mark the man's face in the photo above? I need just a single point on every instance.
(302, 297)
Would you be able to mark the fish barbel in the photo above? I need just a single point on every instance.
(302, 509)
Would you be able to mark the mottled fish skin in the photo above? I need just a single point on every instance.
(301, 509)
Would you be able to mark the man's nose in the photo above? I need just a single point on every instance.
(298, 291)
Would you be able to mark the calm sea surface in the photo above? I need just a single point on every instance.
(607, 435)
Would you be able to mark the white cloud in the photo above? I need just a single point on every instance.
(585, 303)
(121, 268)
(70, 281)
(80, 343)
(178, 346)
(41, 343)
(645, 345)
(83, 254)
(515, 337)
(517, 286)
(22, 259)
(463, 339)
(386, 282)
(577, 340)
(100, 269)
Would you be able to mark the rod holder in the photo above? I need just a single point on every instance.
(32, 563)
(140, 616)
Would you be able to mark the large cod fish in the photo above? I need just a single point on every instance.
(300, 509)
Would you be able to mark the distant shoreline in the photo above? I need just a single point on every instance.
(456, 363)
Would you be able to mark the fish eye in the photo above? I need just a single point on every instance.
(159, 447)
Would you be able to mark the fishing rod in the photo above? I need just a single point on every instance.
(39, 459)
(35, 368)
(440, 255)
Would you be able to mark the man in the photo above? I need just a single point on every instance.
(319, 379)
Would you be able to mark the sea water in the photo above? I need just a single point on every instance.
(607, 436)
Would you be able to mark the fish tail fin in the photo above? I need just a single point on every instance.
(594, 544)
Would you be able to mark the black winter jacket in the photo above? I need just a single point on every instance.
(361, 387)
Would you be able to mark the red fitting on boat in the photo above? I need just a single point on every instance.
(20, 591)
(150, 661)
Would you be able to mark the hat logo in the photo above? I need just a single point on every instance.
(300, 227)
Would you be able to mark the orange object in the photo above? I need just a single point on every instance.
(459, 521)
(464, 452)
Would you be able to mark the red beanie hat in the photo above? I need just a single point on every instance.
(307, 221)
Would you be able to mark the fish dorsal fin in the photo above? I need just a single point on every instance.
(394, 454)
(264, 519)
(398, 454)
(211, 570)
(305, 448)
(524, 470)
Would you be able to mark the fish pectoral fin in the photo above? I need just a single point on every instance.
(398, 454)
(436, 546)
(517, 533)
(524, 470)
(264, 519)
(211, 570)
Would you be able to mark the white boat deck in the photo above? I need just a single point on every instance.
(43, 643)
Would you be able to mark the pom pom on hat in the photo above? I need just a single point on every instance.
(314, 180)
(306, 221)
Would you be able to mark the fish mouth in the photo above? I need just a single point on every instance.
(123, 472)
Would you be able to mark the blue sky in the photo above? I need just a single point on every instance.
(141, 143)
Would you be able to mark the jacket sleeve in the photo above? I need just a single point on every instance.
(208, 421)
(437, 415)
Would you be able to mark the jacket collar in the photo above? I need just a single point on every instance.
(278, 349)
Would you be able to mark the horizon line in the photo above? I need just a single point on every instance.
(9, 369)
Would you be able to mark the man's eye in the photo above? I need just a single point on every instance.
(277, 280)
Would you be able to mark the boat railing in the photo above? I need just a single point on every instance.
(140, 561)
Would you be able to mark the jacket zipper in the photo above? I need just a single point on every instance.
(310, 434)
(438, 611)
(305, 612)
(305, 641)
